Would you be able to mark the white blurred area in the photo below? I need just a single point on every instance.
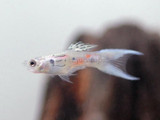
(31, 28)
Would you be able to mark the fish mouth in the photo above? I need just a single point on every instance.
(25, 63)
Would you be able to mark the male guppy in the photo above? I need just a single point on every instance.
(77, 57)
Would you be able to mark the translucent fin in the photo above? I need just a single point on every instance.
(116, 60)
(71, 73)
(65, 78)
(112, 70)
(80, 46)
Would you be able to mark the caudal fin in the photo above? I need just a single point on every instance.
(115, 63)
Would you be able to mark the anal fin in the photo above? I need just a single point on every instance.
(65, 78)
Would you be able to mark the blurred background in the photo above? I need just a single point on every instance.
(36, 27)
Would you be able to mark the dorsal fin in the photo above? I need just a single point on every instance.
(80, 46)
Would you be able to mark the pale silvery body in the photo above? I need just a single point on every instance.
(77, 57)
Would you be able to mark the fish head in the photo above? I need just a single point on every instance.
(38, 65)
(45, 64)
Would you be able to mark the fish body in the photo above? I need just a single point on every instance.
(77, 57)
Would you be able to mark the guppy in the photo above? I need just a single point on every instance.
(78, 57)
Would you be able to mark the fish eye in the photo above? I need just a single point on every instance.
(32, 63)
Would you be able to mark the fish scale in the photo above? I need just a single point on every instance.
(78, 56)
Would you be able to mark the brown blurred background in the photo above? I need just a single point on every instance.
(33, 28)
(98, 96)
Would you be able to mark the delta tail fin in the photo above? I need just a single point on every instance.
(115, 63)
